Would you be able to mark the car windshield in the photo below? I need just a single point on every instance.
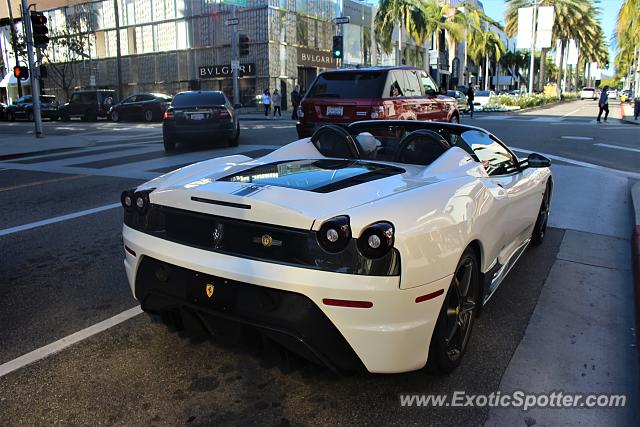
(192, 99)
(47, 99)
(162, 97)
(587, 89)
(451, 93)
(483, 93)
(348, 85)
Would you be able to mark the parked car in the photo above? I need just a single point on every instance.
(3, 109)
(588, 93)
(482, 97)
(88, 105)
(206, 115)
(141, 106)
(626, 95)
(370, 247)
(612, 93)
(390, 93)
(22, 108)
(462, 102)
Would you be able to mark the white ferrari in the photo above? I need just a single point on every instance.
(369, 247)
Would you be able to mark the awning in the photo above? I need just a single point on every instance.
(10, 80)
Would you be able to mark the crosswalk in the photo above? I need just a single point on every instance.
(142, 160)
(554, 120)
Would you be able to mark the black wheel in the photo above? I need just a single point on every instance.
(539, 230)
(455, 119)
(169, 144)
(30, 116)
(148, 116)
(65, 117)
(455, 321)
(233, 141)
(115, 116)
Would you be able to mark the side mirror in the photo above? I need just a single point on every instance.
(535, 160)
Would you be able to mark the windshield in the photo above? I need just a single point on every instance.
(203, 99)
(47, 99)
(349, 85)
(483, 93)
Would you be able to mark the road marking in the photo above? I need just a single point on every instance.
(634, 175)
(46, 181)
(69, 340)
(56, 219)
(579, 138)
(574, 111)
(616, 147)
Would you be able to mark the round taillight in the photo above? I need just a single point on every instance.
(334, 234)
(376, 240)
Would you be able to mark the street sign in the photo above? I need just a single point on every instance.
(239, 3)
(232, 21)
(341, 20)
(235, 65)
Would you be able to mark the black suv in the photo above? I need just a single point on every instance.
(88, 105)
(22, 108)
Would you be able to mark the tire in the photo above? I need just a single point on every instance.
(169, 144)
(455, 119)
(457, 315)
(115, 116)
(148, 116)
(539, 230)
(235, 139)
(30, 116)
(65, 117)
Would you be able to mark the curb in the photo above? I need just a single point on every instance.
(622, 119)
(635, 248)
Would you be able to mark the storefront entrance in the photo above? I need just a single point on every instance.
(306, 76)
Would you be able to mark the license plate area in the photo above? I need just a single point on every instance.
(196, 116)
(334, 111)
(211, 292)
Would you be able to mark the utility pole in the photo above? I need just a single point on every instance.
(235, 58)
(34, 74)
(118, 54)
(533, 44)
(14, 42)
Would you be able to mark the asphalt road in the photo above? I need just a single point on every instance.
(60, 278)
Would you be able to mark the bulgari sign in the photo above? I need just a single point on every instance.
(315, 58)
(222, 71)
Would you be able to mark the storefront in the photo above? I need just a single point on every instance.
(310, 63)
(220, 77)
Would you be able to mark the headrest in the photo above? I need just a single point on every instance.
(421, 147)
(335, 141)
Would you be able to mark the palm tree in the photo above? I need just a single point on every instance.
(628, 39)
(485, 44)
(411, 17)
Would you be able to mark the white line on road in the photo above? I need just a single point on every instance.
(61, 344)
(53, 220)
(616, 147)
(574, 111)
(578, 138)
(634, 175)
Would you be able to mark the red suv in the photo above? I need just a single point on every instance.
(396, 93)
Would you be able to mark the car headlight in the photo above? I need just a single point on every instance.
(127, 199)
(136, 200)
(334, 234)
(376, 240)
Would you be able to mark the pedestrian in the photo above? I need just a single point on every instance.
(603, 103)
(295, 101)
(636, 107)
(275, 100)
(266, 101)
(470, 97)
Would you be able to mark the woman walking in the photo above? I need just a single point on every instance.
(603, 103)
(275, 100)
(266, 101)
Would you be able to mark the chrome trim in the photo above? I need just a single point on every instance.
(500, 275)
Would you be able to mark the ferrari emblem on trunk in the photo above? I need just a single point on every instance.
(209, 290)
(266, 240)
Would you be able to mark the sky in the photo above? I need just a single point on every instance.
(495, 9)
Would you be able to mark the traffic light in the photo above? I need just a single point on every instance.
(337, 47)
(21, 72)
(40, 30)
(244, 45)
(606, 65)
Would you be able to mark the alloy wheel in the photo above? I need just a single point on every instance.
(460, 303)
(148, 116)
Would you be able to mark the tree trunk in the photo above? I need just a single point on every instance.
(559, 77)
(486, 74)
(543, 65)
(399, 61)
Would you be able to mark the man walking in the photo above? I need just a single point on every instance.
(470, 97)
(266, 101)
(276, 100)
(295, 101)
(603, 103)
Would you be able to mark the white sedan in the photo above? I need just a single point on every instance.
(482, 97)
(371, 247)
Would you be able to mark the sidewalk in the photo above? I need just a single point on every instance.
(626, 114)
(254, 115)
(580, 338)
